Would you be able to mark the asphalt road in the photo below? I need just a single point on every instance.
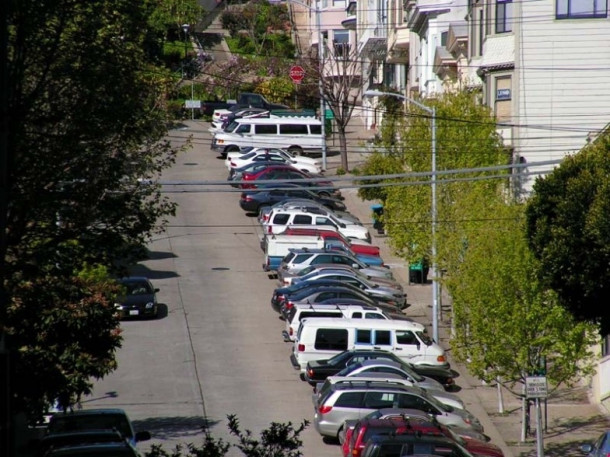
(217, 347)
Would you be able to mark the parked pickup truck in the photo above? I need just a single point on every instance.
(276, 247)
(245, 99)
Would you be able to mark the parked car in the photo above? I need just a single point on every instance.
(291, 203)
(388, 368)
(236, 174)
(363, 430)
(300, 259)
(289, 173)
(306, 164)
(390, 413)
(224, 119)
(139, 299)
(413, 444)
(75, 438)
(281, 294)
(357, 246)
(320, 294)
(345, 401)
(599, 448)
(318, 370)
(387, 293)
(96, 419)
(122, 449)
(267, 196)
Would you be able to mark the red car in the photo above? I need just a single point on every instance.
(356, 247)
(357, 436)
(286, 172)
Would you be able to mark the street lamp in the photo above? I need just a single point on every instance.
(185, 28)
(433, 211)
(320, 84)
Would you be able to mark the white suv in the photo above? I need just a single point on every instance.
(280, 219)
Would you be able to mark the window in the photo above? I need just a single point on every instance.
(293, 129)
(243, 128)
(301, 219)
(300, 258)
(374, 316)
(331, 339)
(357, 315)
(325, 296)
(281, 219)
(339, 3)
(315, 129)
(363, 336)
(502, 99)
(341, 42)
(383, 337)
(406, 337)
(576, 9)
(350, 399)
(323, 221)
(504, 16)
(265, 129)
(322, 258)
(414, 402)
(444, 38)
(378, 400)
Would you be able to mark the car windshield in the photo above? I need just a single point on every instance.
(64, 423)
(137, 287)
(249, 155)
(425, 338)
(305, 271)
(232, 126)
(339, 358)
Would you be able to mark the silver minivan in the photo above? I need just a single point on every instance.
(352, 401)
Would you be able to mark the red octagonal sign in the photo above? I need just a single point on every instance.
(297, 74)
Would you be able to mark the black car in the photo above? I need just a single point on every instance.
(319, 370)
(252, 201)
(78, 437)
(139, 298)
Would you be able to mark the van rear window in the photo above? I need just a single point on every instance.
(331, 339)
(306, 314)
(315, 129)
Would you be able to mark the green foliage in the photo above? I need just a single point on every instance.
(275, 89)
(340, 171)
(568, 230)
(379, 164)
(279, 440)
(506, 321)
(86, 135)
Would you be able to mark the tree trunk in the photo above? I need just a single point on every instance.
(343, 147)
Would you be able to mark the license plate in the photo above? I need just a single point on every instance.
(134, 312)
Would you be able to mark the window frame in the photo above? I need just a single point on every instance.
(504, 22)
(592, 15)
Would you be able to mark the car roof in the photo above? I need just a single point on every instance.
(131, 279)
(90, 412)
(377, 362)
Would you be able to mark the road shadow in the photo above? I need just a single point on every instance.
(142, 270)
(160, 255)
(165, 428)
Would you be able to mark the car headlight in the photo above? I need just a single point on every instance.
(149, 305)
(118, 306)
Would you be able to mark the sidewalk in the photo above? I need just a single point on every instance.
(571, 419)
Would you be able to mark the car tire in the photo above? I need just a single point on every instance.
(324, 194)
(295, 150)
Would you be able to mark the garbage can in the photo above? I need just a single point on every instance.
(377, 215)
(418, 272)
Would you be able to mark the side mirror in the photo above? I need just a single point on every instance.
(355, 265)
(586, 448)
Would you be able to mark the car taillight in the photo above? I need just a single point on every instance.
(441, 359)
(324, 409)
(291, 332)
(269, 229)
(233, 164)
(289, 305)
(301, 348)
(310, 373)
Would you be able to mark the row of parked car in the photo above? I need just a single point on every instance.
(382, 386)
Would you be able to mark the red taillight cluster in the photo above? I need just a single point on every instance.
(301, 347)
(289, 305)
(324, 409)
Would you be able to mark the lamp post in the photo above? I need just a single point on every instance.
(320, 71)
(433, 211)
(185, 28)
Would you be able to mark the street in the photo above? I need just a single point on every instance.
(217, 347)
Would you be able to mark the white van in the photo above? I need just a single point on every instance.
(299, 312)
(296, 134)
(322, 338)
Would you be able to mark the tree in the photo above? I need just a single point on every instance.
(465, 138)
(279, 440)
(340, 74)
(84, 124)
(569, 232)
(506, 321)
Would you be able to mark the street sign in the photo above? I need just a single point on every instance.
(192, 104)
(328, 114)
(297, 74)
(535, 387)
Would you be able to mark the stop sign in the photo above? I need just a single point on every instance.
(297, 74)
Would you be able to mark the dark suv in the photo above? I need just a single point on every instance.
(413, 444)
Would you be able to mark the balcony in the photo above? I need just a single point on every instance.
(398, 45)
(374, 42)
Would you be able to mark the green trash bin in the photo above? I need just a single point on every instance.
(418, 272)
(377, 214)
